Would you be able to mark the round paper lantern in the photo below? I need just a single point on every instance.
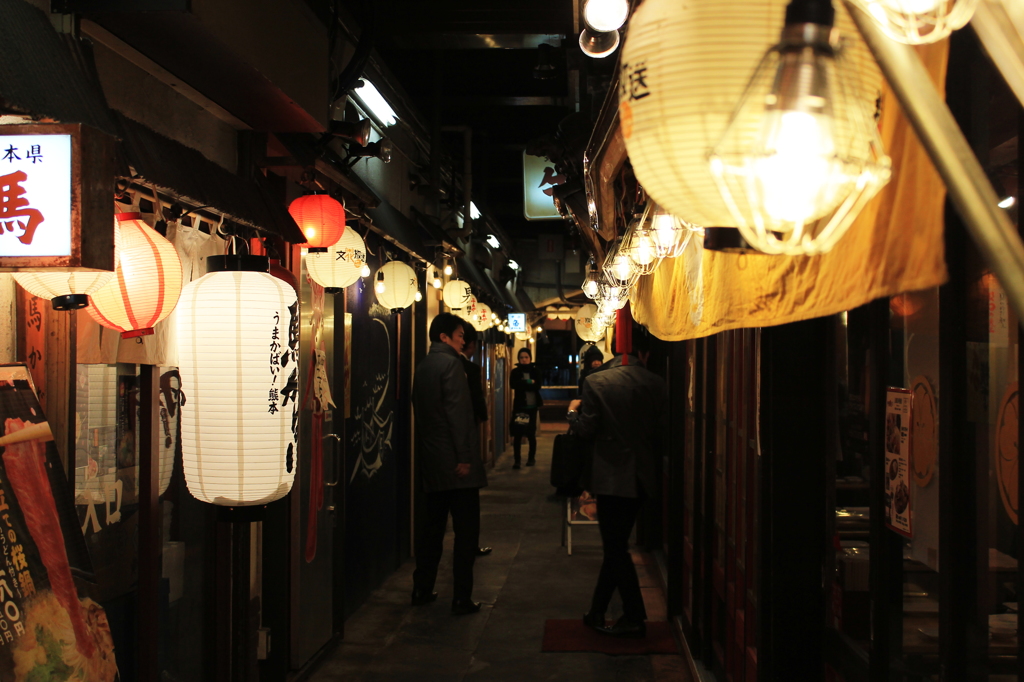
(69, 290)
(564, 312)
(457, 294)
(685, 67)
(146, 284)
(482, 317)
(238, 344)
(399, 282)
(321, 219)
(523, 336)
(341, 265)
(587, 327)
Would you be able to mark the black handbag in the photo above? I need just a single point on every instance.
(570, 458)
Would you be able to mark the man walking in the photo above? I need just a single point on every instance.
(622, 412)
(450, 472)
(476, 392)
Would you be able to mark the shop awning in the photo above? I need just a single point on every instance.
(172, 168)
(39, 76)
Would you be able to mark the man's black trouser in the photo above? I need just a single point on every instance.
(615, 518)
(464, 506)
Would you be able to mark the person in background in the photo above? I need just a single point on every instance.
(525, 381)
(622, 412)
(593, 358)
(449, 470)
(476, 391)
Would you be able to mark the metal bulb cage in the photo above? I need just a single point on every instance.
(640, 247)
(671, 234)
(617, 269)
(919, 22)
(801, 155)
(592, 282)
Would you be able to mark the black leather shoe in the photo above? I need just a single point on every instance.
(483, 551)
(421, 598)
(531, 462)
(516, 465)
(594, 620)
(465, 607)
(625, 628)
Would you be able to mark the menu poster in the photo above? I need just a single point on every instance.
(47, 630)
(897, 460)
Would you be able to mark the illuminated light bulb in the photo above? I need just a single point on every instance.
(670, 234)
(418, 296)
(917, 22)
(379, 287)
(530, 339)
(540, 329)
(437, 281)
(447, 269)
(606, 15)
(365, 272)
(801, 155)
(1007, 202)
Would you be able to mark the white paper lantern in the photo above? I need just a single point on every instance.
(587, 326)
(238, 341)
(341, 265)
(564, 312)
(457, 294)
(482, 317)
(399, 282)
(523, 336)
(684, 69)
(69, 290)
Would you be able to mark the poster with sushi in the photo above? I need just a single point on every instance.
(49, 628)
(897, 474)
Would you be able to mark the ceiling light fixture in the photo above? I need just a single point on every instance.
(801, 156)
(605, 15)
(375, 102)
(598, 44)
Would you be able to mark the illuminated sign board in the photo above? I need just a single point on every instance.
(56, 198)
(539, 181)
(517, 322)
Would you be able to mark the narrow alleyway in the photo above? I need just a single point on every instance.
(528, 579)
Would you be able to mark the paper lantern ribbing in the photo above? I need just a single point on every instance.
(456, 294)
(400, 285)
(146, 285)
(587, 327)
(238, 343)
(698, 57)
(341, 265)
(321, 219)
(69, 290)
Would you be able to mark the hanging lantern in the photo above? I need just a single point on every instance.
(917, 22)
(686, 67)
(238, 341)
(69, 290)
(564, 312)
(482, 317)
(801, 155)
(457, 294)
(523, 336)
(341, 265)
(321, 219)
(146, 284)
(399, 282)
(618, 270)
(587, 326)
(640, 246)
(467, 311)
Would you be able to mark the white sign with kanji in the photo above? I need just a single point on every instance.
(35, 195)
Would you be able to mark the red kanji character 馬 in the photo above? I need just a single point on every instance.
(13, 205)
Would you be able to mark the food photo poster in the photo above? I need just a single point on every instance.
(898, 403)
(49, 628)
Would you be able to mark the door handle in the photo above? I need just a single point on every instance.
(337, 468)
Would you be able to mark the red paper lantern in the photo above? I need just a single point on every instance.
(321, 219)
(146, 286)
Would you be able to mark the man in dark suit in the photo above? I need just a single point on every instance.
(476, 391)
(623, 414)
(449, 470)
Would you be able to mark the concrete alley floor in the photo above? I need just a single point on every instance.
(527, 579)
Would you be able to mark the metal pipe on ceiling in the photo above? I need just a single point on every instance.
(968, 186)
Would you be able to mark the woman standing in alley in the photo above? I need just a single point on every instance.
(525, 381)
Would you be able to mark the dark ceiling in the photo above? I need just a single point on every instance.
(472, 62)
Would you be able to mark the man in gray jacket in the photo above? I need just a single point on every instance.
(449, 469)
(623, 414)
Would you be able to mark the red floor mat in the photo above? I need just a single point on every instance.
(573, 635)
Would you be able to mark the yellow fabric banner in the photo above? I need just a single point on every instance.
(895, 245)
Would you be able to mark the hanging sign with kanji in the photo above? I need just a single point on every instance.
(56, 191)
